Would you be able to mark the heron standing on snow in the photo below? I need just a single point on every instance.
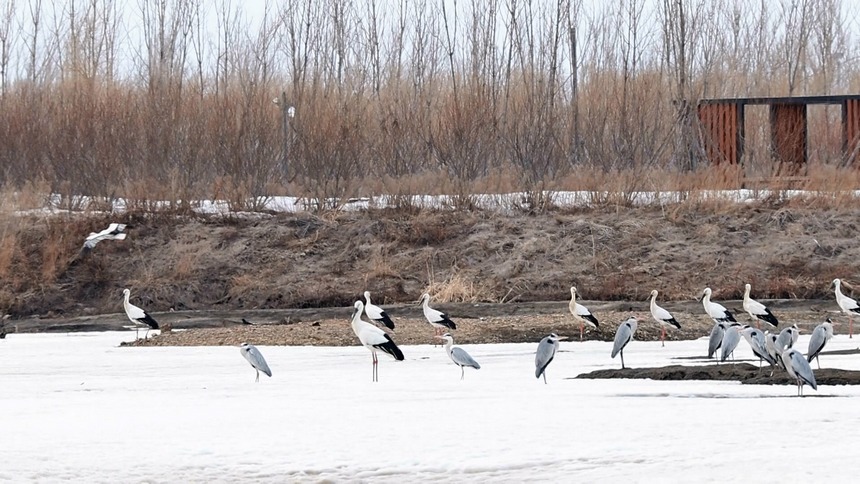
(715, 339)
(756, 340)
(623, 335)
(799, 369)
(376, 313)
(820, 336)
(731, 338)
(663, 317)
(581, 313)
(847, 305)
(373, 338)
(545, 353)
(136, 315)
(458, 355)
(255, 358)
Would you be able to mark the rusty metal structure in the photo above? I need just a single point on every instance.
(721, 123)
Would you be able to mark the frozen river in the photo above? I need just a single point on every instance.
(78, 407)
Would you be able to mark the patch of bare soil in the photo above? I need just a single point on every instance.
(742, 372)
(175, 264)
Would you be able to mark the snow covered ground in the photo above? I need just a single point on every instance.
(78, 407)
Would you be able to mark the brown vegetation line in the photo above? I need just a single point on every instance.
(301, 260)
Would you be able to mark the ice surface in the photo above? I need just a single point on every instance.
(78, 407)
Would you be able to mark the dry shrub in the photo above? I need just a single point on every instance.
(458, 288)
(8, 243)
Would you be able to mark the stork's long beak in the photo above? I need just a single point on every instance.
(562, 337)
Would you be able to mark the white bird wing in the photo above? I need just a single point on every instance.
(460, 357)
(847, 303)
(134, 313)
(660, 313)
(370, 335)
(255, 358)
(433, 315)
(716, 310)
(754, 307)
(373, 311)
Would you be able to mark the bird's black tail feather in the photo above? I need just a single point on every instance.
(149, 321)
(448, 323)
(391, 348)
(386, 320)
(769, 318)
(591, 318)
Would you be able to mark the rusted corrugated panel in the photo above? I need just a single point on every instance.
(719, 128)
(850, 129)
(788, 137)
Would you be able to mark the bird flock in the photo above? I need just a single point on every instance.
(775, 349)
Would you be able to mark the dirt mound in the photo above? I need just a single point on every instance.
(742, 372)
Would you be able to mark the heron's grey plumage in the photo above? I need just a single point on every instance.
(756, 340)
(731, 338)
(716, 338)
(458, 355)
(255, 358)
(787, 337)
(545, 353)
(820, 336)
(623, 335)
(799, 369)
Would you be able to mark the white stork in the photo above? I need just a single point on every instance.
(136, 315)
(373, 338)
(113, 232)
(663, 317)
(376, 313)
(439, 320)
(581, 313)
(757, 310)
(847, 305)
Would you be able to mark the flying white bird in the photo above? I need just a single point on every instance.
(255, 358)
(757, 310)
(373, 338)
(663, 317)
(458, 355)
(113, 232)
(799, 369)
(376, 313)
(545, 353)
(847, 305)
(716, 311)
(581, 313)
(437, 319)
(820, 336)
(623, 335)
(136, 315)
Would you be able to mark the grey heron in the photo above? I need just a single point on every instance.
(799, 369)
(757, 310)
(373, 338)
(545, 353)
(458, 355)
(730, 340)
(113, 232)
(787, 337)
(623, 335)
(663, 317)
(847, 305)
(820, 336)
(756, 340)
(255, 358)
(716, 311)
(136, 315)
(715, 339)
(775, 354)
(439, 320)
(581, 313)
(376, 313)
